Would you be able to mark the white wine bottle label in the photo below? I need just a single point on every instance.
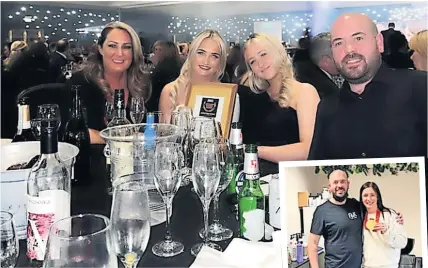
(40, 216)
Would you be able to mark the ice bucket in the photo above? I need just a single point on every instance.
(14, 182)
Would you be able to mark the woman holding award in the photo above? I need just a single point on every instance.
(384, 237)
(206, 62)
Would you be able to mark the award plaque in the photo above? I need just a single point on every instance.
(214, 100)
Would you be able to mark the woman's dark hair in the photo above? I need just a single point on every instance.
(375, 188)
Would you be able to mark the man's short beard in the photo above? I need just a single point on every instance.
(340, 198)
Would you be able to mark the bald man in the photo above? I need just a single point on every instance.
(379, 112)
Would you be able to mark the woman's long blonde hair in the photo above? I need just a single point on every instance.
(15, 49)
(283, 65)
(138, 80)
(419, 43)
(183, 82)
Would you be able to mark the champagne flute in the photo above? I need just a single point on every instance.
(80, 241)
(9, 250)
(206, 177)
(130, 219)
(137, 109)
(216, 231)
(168, 164)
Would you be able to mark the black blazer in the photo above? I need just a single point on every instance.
(307, 72)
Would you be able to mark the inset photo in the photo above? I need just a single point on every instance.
(354, 213)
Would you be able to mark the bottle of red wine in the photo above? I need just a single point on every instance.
(77, 133)
(23, 132)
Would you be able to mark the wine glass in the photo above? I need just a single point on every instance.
(182, 117)
(216, 231)
(169, 161)
(80, 241)
(109, 111)
(206, 177)
(202, 128)
(130, 219)
(137, 109)
(9, 241)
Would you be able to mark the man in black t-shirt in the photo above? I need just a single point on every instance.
(339, 221)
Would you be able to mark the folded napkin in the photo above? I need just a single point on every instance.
(242, 254)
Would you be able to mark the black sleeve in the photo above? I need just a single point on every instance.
(316, 151)
(317, 226)
(420, 104)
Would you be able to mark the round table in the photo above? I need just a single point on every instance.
(186, 220)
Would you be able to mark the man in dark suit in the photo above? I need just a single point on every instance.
(58, 59)
(386, 37)
(321, 71)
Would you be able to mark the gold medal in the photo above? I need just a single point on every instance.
(370, 224)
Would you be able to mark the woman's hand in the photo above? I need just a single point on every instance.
(380, 227)
(400, 218)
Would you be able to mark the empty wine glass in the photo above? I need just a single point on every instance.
(216, 231)
(137, 110)
(109, 111)
(182, 117)
(130, 219)
(206, 177)
(202, 128)
(80, 241)
(9, 241)
(169, 161)
(46, 112)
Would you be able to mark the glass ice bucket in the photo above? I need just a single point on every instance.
(131, 148)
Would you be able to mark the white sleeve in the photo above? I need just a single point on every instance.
(395, 235)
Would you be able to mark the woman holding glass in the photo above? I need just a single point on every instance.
(205, 63)
(117, 64)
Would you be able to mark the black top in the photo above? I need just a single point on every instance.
(389, 119)
(341, 227)
(92, 100)
(264, 122)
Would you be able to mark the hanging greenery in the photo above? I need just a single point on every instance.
(375, 169)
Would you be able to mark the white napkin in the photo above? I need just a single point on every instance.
(241, 254)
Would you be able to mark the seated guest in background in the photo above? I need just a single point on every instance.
(302, 54)
(166, 71)
(6, 51)
(205, 63)
(398, 56)
(157, 52)
(383, 236)
(233, 60)
(380, 112)
(419, 45)
(279, 111)
(58, 59)
(117, 64)
(321, 72)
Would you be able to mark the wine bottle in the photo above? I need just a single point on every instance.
(237, 157)
(48, 192)
(77, 133)
(23, 132)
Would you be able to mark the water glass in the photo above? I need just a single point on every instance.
(169, 161)
(206, 178)
(9, 241)
(80, 241)
(130, 219)
(137, 110)
(216, 231)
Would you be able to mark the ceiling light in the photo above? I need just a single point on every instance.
(91, 21)
(103, 19)
(61, 9)
(45, 18)
(10, 16)
(59, 24)
(85, 14)
(37, 27)
(42, 21)
(86, 24)
(48, 11)
(73, 12)
(27, 26)
(31, 7)
(63, 30)
(37, 11)
(78, 16)
(50, 25)
(17, 13)
(55, 28)
(58, 15)
(65, 20)
(53, 33)
(90, 14)
(68, 33)
(46, 36)
(23, 9)
(68, 13)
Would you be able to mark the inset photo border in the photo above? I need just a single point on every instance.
(321, 200)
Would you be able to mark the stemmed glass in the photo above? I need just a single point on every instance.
(9, 250)
(216, 231)
(130, 219)
(80, 241)
(46, 112)
(182, 117)
(137, 110)
(206, 177)
(169, 161)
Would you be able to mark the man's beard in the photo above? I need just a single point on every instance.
(340, 198)
(356, 75)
